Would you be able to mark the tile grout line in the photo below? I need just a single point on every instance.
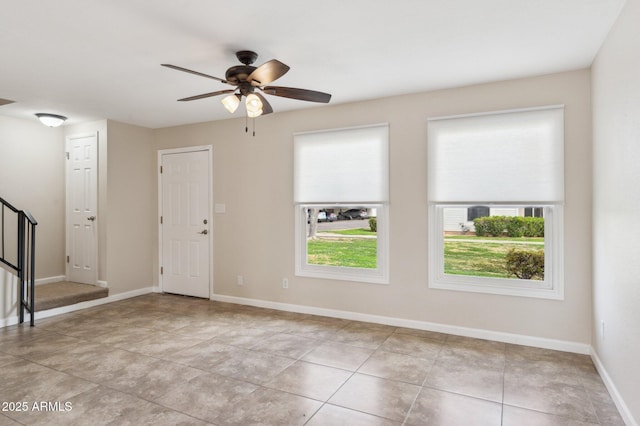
(50, 333)
(353, 373)
(424, 381)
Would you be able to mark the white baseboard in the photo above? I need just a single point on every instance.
(78, 306)
(613, 391)
(518, 339)
(57, 279)
(6, 322)
(560, 345)
(49, 280)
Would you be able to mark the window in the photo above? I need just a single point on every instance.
(341, 193)
(533, 212)
(475, 212)
(506, 168)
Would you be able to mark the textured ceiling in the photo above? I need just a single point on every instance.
(96, 59)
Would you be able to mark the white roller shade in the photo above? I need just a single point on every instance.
(342, 166)
(510, 156)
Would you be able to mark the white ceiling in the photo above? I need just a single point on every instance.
(96, 59)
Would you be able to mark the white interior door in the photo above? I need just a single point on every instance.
(185, 223)
(82, 208)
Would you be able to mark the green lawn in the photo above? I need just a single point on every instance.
(474, 238)
(478, 257)
(349, 252)
(482, 258)
(359, 231)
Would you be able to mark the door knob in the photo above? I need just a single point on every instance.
(205, 232)
(91, 218)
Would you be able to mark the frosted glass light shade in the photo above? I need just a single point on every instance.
(231, 103)
(254, 114)
(51, 120)
(254, 104)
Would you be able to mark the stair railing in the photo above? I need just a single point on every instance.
(22, 261)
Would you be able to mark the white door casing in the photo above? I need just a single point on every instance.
(185, 229)
(82, 208)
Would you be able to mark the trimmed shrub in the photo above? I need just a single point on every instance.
(533, 226)
(514, 226)
(497, 225)
(480, 224)
(373, 224)
(490, 225)
(525, 264)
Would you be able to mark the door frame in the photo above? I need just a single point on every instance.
(96, 224)
(161, 152)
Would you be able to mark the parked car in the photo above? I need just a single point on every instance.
(324, 216)
(353, 214)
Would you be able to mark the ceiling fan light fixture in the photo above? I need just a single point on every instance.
(254, 114)
(51, 120)
(247, 79)
(254, 104)
(231, 103)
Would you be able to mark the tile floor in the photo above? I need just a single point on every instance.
(172, 360)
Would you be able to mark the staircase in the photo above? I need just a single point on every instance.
(18, 250)
(65, 293)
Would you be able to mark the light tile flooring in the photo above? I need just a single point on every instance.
(172, 360)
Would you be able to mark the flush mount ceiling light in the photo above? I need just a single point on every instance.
(51, 120)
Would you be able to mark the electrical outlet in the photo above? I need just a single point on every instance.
(240, 280)
(285, 283)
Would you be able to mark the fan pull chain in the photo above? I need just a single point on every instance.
(246, 124)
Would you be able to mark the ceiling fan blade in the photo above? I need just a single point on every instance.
(266, 106)
(207, 95)
(175, 67)
(267, 72)
(301, 94)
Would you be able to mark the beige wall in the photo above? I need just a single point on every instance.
(126, 218)
(255, 237)
(616, 203)
(131, 213)
(32, 178)
(126, 191)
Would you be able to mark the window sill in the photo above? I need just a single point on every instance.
(343, 274)
(507, 287)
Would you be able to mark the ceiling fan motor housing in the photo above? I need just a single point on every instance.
(239, 73)
(246, 57)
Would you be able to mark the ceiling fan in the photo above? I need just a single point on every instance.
(246, 78)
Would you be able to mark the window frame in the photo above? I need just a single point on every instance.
(531, 140)
(552, 287)
(380, 275)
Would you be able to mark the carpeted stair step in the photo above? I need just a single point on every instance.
(55, 295)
